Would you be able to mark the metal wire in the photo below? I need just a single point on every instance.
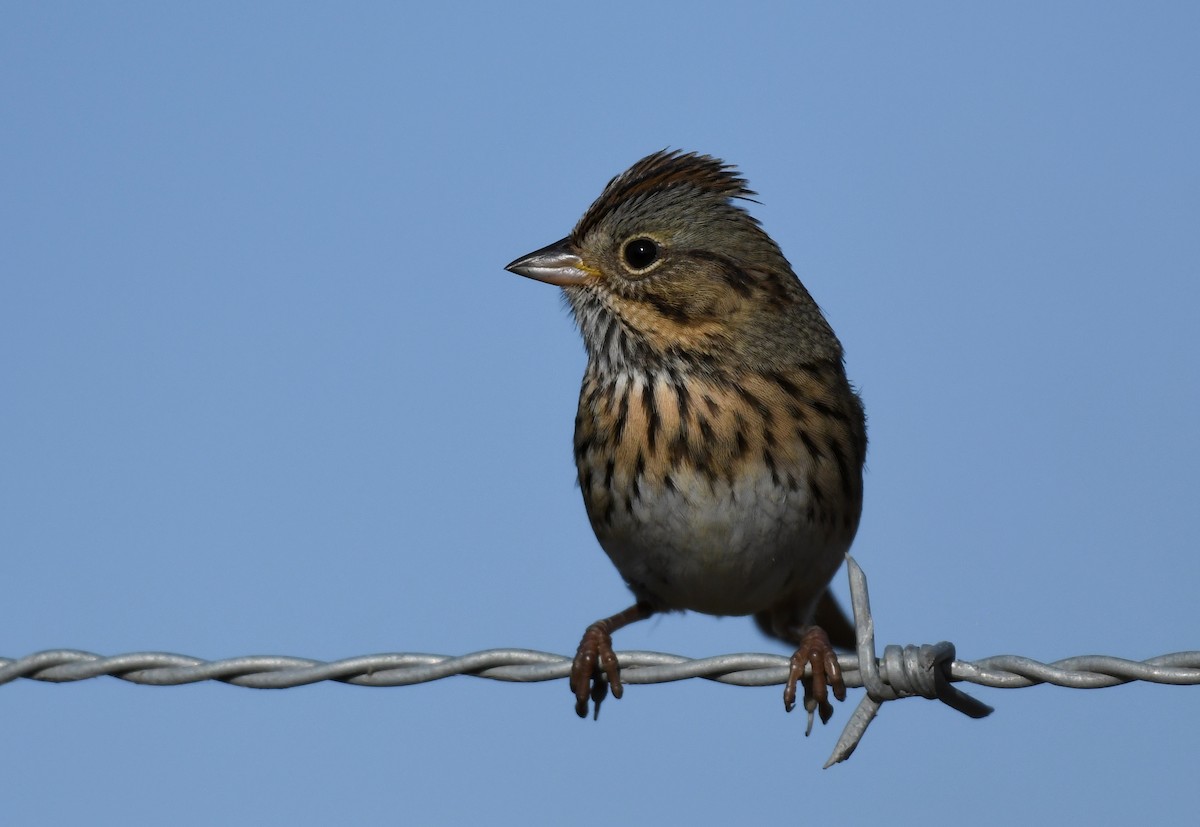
(901, 672)
(529, 666)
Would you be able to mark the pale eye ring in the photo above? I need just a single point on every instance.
(639, 253)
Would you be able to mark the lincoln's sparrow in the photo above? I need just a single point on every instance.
(719, 444)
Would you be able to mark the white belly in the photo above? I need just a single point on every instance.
(718, 548)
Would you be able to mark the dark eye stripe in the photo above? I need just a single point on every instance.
(735, 276)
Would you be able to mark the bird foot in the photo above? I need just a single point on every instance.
(817, 652)
(595, 662)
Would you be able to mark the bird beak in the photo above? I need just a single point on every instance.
(557, 264)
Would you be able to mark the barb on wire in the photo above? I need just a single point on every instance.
(927, 671)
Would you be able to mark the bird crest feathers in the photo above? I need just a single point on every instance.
(664, 170)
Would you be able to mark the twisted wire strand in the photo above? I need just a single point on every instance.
(903, 671)
(528, 666)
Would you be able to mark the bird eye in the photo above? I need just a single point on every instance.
(640, 253)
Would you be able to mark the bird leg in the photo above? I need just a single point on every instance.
(815, 651)
(595, 660)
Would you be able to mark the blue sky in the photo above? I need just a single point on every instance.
(268, 390)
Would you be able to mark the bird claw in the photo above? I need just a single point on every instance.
(594, 670)
(817, 652)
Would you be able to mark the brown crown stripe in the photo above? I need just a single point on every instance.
(661, 171)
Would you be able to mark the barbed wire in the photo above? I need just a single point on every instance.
(909, 671)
